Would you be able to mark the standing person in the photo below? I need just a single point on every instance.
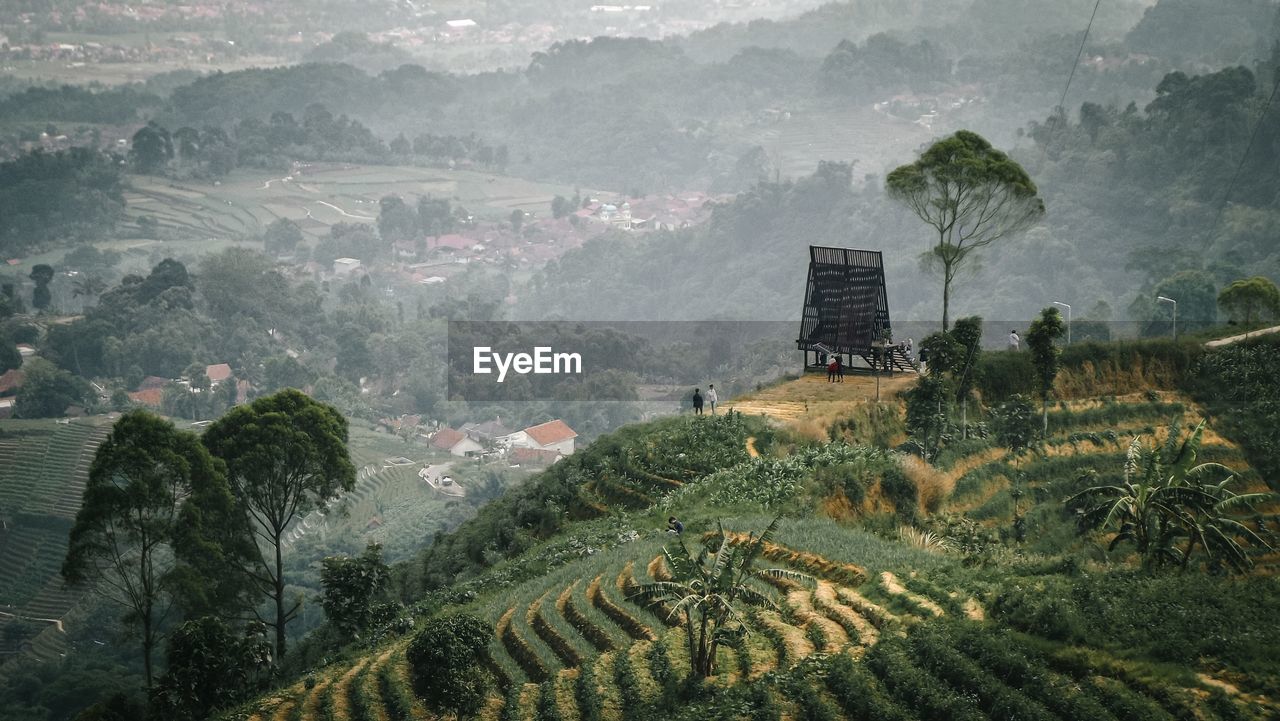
(712, 397)
(839, 369)
(1015, 341)
(831, 371)
(697, 401)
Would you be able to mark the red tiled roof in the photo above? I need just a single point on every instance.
(447, 438)
(11, 380)
(152, 382)
(550, 432)
(218, 372)
(152, 397)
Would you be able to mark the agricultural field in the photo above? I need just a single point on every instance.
(918, 615)
(44, 465)
(318, 195)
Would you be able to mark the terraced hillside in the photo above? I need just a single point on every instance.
(874, 641)
(44, 465)
(915, 607)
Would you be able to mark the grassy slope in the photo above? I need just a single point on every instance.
(928, 634)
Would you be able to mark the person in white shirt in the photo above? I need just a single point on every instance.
(1015, 341)
(712, 398)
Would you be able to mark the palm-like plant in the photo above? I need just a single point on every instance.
(707, 591)
(1165, 497)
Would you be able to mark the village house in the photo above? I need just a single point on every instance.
(455, 443)
(345, 267)
(555, 436)
(491, 433)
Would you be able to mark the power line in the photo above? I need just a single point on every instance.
(1244, 156)
(1070, 76)
(1079, 52)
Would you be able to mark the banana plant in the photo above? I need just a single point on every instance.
(1167, 506)
(708, 592)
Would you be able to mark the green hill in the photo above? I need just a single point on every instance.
(919, 604)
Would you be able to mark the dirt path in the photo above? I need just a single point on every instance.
(1243, 336)
(751, 447)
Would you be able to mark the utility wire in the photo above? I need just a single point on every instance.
(1070, 76)
(1244, 156)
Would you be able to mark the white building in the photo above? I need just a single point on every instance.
(550, 436)
(345, 267)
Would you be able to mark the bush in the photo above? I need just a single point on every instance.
(901, 491)
(446, 664)
(1034, 611)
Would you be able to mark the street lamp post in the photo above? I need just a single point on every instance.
(1175, 313)
(1068, 307)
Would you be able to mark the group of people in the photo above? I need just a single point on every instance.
(699, 400)
(835, 370)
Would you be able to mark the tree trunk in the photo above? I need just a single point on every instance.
(148, 644)
(946, 298)
(1186, 556)
(279, 598)
(1045, 406)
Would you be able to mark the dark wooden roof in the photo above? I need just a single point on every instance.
(845, 305)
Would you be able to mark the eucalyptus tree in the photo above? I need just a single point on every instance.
(971, 194)
(124, 537)
(286, 454)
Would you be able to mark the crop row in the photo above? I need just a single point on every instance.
(559, 645)
(576, 618)
(617, 614)
(520, 649)
(811, 563)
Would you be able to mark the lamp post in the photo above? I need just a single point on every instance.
(1175, 313)
(1068, 307)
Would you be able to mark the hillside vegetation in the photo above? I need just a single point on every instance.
(917, 592)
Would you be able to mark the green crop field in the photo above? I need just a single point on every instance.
(884, 625)
(44, 465)
(318, 195)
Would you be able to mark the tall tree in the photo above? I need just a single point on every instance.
(1041, 338)
(285, 454)
(1250, 300)
(971, 194)
(42, 275)
(152, 148)
(132, 502)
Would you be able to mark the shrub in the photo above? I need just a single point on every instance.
(901, 491)
(446, 662)
(1034, 611)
